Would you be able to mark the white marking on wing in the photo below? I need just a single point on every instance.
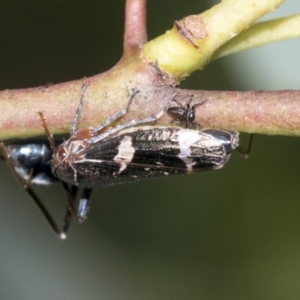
(125, 153)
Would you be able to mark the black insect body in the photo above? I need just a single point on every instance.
(184, 114)
(30, 162)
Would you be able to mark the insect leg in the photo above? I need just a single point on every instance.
(174, 99)
(115, 117)
(243, 152)
(78, 113)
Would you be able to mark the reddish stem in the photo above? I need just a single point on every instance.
(135, 25)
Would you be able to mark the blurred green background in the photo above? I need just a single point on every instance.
(228, 234)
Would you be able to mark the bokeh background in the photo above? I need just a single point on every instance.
(228, 234)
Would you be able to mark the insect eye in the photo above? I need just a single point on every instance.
(191, 116)
(61, 154)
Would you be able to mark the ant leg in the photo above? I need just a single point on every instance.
(69, 214)
(243, 152)
(48, 134)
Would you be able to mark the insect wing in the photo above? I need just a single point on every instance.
(149, 151)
